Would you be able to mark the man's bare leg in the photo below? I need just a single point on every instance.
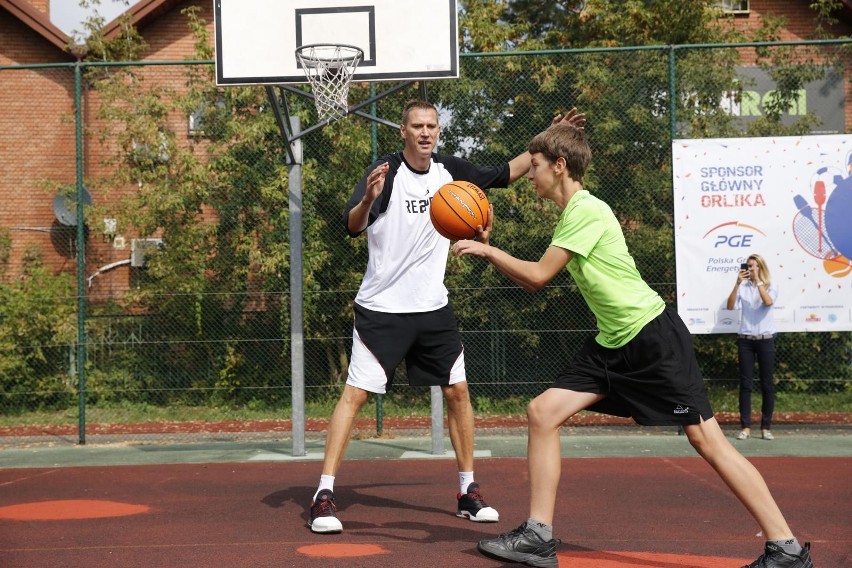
(323, 509)
(471, 504)
(340, 427)
(460, 423)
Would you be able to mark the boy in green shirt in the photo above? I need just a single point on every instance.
(641, 363)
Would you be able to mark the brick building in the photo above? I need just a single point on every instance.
(37, 120)
(37, 133)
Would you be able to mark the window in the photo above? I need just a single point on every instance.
(734, 6)
(202, 114)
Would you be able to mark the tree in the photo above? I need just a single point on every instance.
(216, 295)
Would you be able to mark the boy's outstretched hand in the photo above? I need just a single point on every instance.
(468, 246)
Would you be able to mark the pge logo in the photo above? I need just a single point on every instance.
(733, 234)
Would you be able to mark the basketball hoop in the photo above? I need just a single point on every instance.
(329, 69)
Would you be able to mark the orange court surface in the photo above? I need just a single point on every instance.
(657, 511)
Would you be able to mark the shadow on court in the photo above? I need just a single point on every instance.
(612, 512)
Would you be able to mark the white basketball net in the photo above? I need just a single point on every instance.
(329, 69)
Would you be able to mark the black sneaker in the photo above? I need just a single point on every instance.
(473, 506)
(774, 557)
(324, 514)
(521, 545)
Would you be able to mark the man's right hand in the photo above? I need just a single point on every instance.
(573, 117)
(376, 182)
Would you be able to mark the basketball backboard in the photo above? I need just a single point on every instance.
(256, 40)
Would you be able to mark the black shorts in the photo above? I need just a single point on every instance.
(429, 342)
(654, 379)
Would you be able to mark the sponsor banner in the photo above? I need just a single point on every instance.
(788, 199)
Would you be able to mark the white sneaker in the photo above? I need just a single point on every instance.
(324, 514)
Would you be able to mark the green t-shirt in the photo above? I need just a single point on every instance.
(604, 271)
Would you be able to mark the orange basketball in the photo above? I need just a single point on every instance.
(457, 209)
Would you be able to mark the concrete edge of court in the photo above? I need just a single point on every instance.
(577, 442)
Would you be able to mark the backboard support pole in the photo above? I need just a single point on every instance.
(297, 333)
(283, 119)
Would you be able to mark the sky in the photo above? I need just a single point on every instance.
(67, 15)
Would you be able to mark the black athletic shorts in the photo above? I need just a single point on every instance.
(654, 379)
(429, 342)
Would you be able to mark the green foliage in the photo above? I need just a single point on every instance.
(207, 321)
(37, 332)
(5, 248)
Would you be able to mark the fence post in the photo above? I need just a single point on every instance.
(81, 256)
(672, 93)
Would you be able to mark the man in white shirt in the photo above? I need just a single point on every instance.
(402, 311)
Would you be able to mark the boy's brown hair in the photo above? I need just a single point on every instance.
(564, 141)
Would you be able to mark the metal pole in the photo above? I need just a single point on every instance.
(81, 256)
(374, 151)
(297, 342)
(437, 422)
(437, 397)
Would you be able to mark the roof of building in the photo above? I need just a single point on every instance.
(140, 13)
(37, 21)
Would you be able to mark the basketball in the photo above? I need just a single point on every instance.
(457, 209)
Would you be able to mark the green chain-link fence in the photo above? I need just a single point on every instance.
(200, 335)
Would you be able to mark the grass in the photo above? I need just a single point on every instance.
(723, 400)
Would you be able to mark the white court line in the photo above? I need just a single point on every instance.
(268, 456)
(445, 455)
(415, 455)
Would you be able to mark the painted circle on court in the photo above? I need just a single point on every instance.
(341, 550)
(621, 559)
(70, 509)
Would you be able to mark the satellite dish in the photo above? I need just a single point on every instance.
(65, 207)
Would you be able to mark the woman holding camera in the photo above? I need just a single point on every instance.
(754, 295)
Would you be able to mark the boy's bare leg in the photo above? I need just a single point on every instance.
(340, 427)
(545, 414)
(740, 476)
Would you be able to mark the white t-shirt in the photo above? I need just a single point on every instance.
(407, 257)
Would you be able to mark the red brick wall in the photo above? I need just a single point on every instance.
(799, 24)
(37, 143)
(36, 139)
(799, 17)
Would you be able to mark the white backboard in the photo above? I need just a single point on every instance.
(256, 40)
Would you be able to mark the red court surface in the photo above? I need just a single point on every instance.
(612, 513)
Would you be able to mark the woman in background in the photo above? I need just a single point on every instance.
(754, 295)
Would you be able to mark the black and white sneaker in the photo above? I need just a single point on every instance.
(521, 545)
(774, 557)
(324, 514)
(473, 506)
